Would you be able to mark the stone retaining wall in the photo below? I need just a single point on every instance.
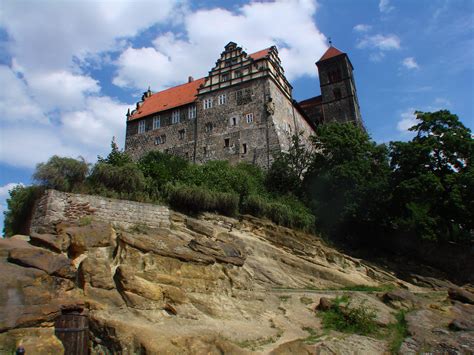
(55, 206)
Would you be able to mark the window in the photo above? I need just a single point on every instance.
(209, 127)
(227, 142)
(141, 126)
(227, 63)
(160, 140)
(207, 103)
(175, 117)
(192, 112)
(249, 117)
(156, 122)
(181, 133)
(233, 121)
(237, 74)
(244, 148)
(225, 77)
(205, 151)
(222, 99)
(337, 93)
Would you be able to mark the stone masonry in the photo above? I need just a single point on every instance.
(55, 206)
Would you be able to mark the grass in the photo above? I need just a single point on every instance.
(139, 228)
(366, 288)
(85, 221)
(313, 336)
(306, 300)
(284, 298)
(343, 318)
(254, 344)
(398, 331)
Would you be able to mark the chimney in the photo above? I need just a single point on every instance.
(190, 79)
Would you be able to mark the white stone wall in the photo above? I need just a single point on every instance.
(56, 206)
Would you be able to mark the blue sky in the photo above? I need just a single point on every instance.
(71, 69)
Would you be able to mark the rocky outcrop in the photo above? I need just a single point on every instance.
(203, 285)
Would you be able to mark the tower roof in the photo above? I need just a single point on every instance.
(331, 53)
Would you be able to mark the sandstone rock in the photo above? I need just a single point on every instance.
(353, 344)
(82, 238)
(54, 242)
(400, 299)
(432, 282)
(132, 286)
(44, 260)
(223, 252)
(200, 227)
(164, 244)
(41, 341)
(325, 304)
(294, 347)
(463, 317)
(96, 272)
(459, 294)
(170, 309)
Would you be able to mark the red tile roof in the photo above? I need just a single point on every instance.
(169, 98)
(178, 95)
(330, 53)
(313, 101)
(260, 54)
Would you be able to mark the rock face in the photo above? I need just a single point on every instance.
(207, 285)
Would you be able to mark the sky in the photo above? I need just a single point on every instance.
(70, 69)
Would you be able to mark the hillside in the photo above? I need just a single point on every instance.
(213, 285)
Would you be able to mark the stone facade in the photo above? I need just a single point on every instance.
(55, 206)
(244, 111)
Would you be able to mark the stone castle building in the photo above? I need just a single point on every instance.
(242, 111)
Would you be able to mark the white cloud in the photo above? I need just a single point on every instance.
(385, 7)
(362, 28)
(381, 42)
(410, 63)
(5, 189)
(407, 120)
(174, 57)
(376, 57)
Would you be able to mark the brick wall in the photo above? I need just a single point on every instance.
(55, 206)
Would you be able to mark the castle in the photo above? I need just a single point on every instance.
(242, 111)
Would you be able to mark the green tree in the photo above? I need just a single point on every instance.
(347, 181)
(433, 179)
(19, 209)
(61, 173)
(116, 157)
(286, 174)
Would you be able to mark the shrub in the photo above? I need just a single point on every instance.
(19, 209)
(126, 181)
(163, 168)
(61, 173)
(196, 199)
(343, 318)
(255, 205)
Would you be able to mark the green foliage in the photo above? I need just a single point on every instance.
(347, 181)
(60, 173)
(19, 209)
(123, 181)
(366, 288)
(116, 157)
(286, 211)
(285, 176)
(194, 200)
(306, 300)
(433, 179)
(347, 319)
(163, 168)
(398, 331)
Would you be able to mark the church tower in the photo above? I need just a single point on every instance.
(338, 90)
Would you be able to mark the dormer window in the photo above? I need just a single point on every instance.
(225, 77)
(141, 126)
(238, 74)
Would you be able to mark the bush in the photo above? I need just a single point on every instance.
(194, 200)
(126, 181)
(343, 318)
(60, 173)
(286, 211)
(20, 208)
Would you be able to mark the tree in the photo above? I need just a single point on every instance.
(116, 157)
(286, 174)
(433, 178)
(347, 180)
(61, 173)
